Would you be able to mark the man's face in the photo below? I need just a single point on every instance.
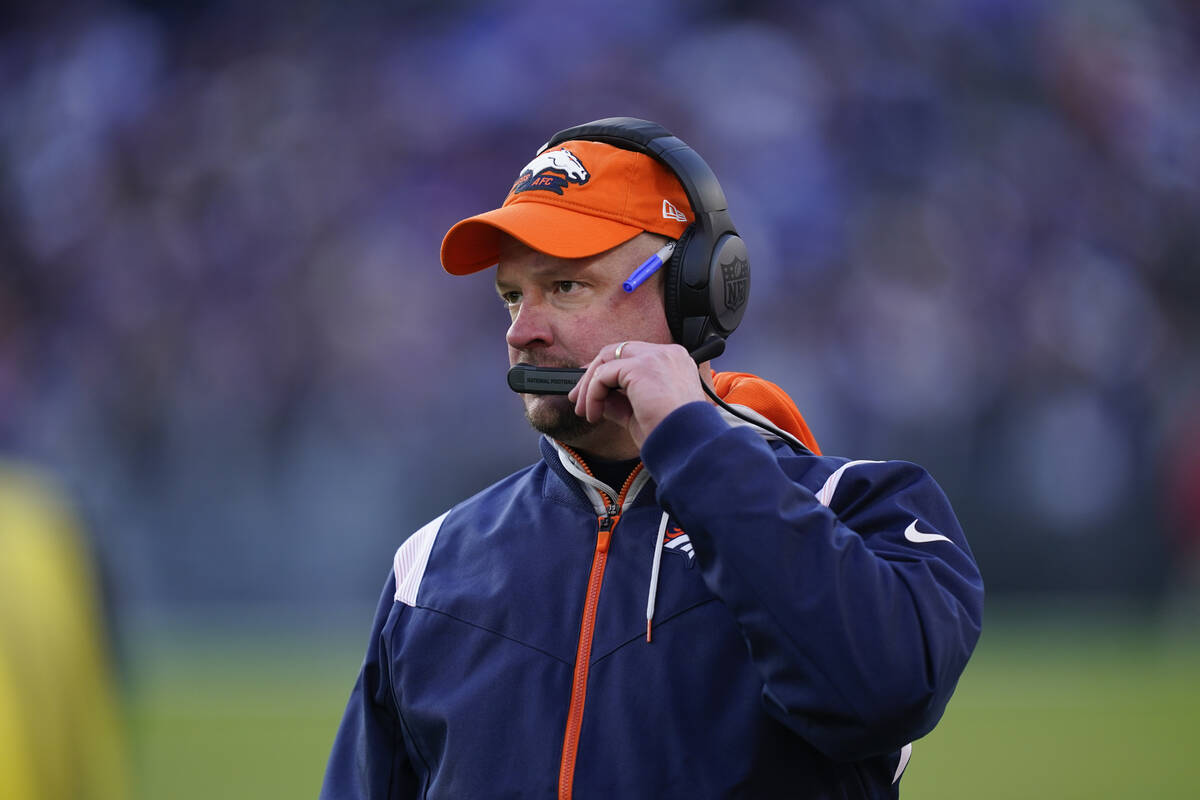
(563, 311)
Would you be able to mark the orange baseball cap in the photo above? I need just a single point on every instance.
(574, 200)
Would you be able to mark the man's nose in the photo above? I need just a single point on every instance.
(530, 327)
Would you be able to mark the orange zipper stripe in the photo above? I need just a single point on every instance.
(583, 657)
(583, 653)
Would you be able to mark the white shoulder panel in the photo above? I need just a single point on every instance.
(905, 755)
(411, 559)
(825, 494)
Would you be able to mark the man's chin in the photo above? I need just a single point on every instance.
(554, 415)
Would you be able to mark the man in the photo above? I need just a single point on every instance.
(806, 618)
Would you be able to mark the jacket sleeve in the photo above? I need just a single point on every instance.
(369, 759)
(858, 598)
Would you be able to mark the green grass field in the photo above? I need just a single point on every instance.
(1047, 712)
(1056, 713)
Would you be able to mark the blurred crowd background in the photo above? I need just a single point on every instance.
(973, 230)
(223, 324)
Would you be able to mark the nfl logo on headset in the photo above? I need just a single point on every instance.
(737, 282)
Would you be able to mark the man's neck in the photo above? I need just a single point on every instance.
(608, 442)
(612, 473)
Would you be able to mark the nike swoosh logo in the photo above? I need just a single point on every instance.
(920, 537)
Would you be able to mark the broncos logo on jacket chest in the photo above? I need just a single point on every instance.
(677, 542)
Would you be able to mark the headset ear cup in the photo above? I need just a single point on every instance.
(672, 288)
(728, 283)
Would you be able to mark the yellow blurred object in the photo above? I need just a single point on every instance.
(61, 734)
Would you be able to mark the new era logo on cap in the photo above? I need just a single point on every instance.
(671, 212)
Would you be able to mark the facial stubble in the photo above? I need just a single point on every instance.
(555, 416)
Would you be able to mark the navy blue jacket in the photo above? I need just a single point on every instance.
(811, 617)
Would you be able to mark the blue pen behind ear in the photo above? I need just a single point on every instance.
(649, 267)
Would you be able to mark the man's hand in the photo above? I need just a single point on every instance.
(638, 389)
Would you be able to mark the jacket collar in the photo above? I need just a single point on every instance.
(602, 498)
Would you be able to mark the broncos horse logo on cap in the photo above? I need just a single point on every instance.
(551, 171)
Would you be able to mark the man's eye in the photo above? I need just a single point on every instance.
(510, 298)
(566, 287)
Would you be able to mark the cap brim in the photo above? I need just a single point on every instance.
(474, 243)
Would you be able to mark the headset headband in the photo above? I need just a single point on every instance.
(639, 135)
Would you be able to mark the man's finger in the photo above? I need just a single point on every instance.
(607, 354)
(605, 379)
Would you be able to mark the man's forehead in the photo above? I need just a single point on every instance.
(518, 259)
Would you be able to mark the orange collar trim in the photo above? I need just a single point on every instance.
(742, 388)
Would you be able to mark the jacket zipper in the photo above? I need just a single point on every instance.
(583, 654)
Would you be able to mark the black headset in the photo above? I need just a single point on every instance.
(708, 277)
